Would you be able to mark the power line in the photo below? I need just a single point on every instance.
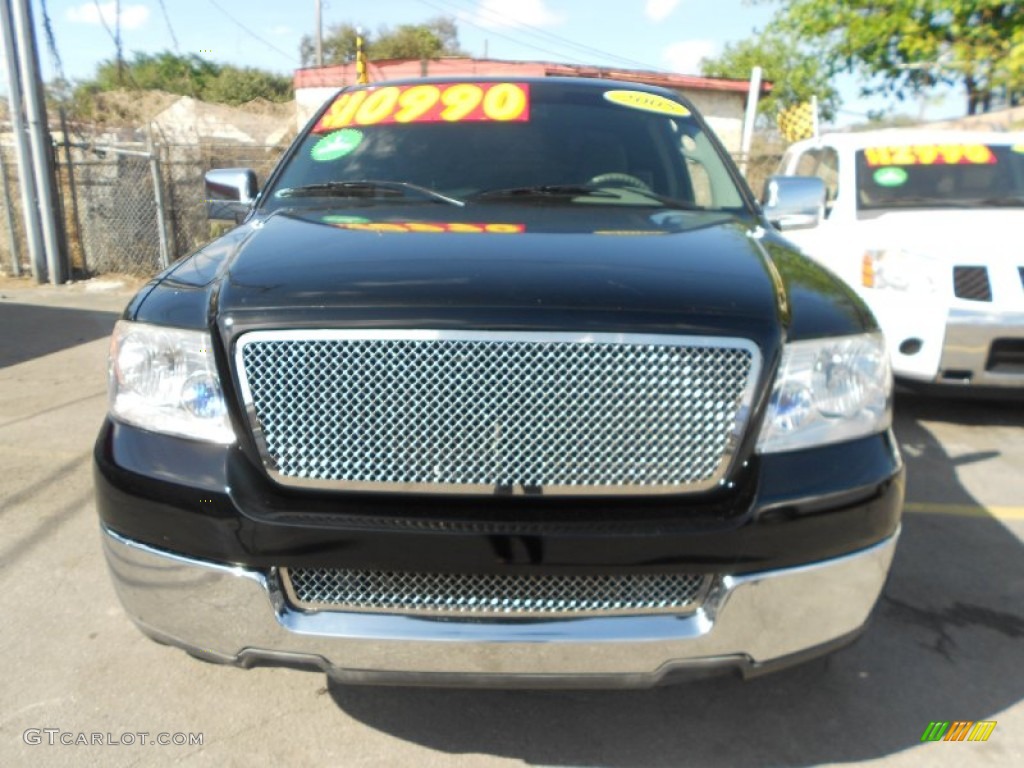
(51, 42)
(559, 54)
(252, 34)
(103, 21)
(552, 38)
(167, 21)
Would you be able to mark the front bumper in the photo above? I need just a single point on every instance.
(931, 342)
(751, 623)
(966, 352)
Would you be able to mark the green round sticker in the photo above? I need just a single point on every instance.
(335, 145)
(344, 220)
(890, 176)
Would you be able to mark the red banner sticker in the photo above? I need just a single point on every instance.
(930, 154)
(429, 103)
(430, 226)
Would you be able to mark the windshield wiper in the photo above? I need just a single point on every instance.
(569, 191)
(367, 188)
(1006, 200)
(543, 191)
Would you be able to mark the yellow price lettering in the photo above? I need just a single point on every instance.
(420, 227)
(903, 156)
(456, 227)
(504, 102)
(460, 100)
(951, 153)
(416, 102)
(341, 112)
(927, 154)
(503, 228)
(978, 154)
(378, 105)
(878, 156)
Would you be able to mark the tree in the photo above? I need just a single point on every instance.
(905, 47)
(237, 85)
(185, 75)
(339, 45)
(795, 73)
(437, 37)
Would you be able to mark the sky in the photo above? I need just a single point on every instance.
(669, 35)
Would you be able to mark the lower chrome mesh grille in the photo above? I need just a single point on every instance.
(972, 283)
(493, 594)
(480, 412)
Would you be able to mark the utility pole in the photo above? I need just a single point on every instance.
(747, 138)
(26, 180)
(319, 35)
(39, 138)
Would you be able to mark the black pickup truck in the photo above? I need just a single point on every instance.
(500, 383)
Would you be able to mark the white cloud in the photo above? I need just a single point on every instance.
(684, 57)
(659, 10)
(513, 13)
(132, 16)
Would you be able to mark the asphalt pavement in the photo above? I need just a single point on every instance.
(946, 642)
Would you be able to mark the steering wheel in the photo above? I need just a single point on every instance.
(619, 180)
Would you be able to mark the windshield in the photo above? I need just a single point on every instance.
(547, 143)
(940, 175)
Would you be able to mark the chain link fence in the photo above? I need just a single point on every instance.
(127, 209)
(131, 209)
(13, 252)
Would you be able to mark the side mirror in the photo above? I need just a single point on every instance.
(230, 192)
(794, 202)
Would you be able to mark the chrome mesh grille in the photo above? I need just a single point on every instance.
(492, 594)
(972, 283)
(484, 412)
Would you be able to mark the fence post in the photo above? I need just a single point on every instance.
(9, 216)
(161, 208)
(76, 217)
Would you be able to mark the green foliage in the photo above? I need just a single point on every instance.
(185, 75)
(430, 40)
(237, 85)
(905, 47)
(796, 73)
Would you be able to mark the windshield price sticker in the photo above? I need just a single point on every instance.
(456, 103)
(930, 154)
(648, 102)
(434, 227)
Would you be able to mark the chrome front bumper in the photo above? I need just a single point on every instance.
(750, 623)
(969, 337)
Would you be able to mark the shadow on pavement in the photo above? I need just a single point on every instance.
(30, 331)
(944, 644)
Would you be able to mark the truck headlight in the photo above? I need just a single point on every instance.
(828, 390)
(165, 380)
(897, 270)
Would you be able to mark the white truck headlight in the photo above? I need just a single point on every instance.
(165, 380)
(828, 390)
(897, 270)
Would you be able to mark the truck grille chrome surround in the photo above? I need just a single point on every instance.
(488, 594)
(495, 412)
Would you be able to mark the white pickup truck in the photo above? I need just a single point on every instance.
(928, 227)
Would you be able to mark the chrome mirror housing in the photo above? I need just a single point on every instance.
(230, 192)
(794, 202)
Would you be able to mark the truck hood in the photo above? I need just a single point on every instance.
(505, 266)
(523, 259)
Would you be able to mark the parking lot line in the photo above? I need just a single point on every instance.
(964, 510)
